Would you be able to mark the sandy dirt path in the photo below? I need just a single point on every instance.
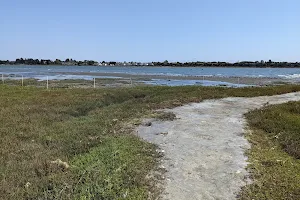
(204, 148)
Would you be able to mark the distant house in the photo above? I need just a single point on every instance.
(45, 62)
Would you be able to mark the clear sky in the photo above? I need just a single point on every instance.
(152, 30)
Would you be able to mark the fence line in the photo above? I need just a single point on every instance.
(22, 80)
(93, 82)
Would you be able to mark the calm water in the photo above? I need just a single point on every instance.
(33, 71)
(67, 72)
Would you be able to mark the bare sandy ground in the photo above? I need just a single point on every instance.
(204, 148)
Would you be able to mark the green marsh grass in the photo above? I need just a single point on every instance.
(87, 129)
(275, 153)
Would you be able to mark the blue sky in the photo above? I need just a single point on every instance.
(139, 30)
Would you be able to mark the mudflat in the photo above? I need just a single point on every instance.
(235, 80)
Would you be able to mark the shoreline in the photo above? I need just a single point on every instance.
(231, 79)
(123, 79)
(160, 66)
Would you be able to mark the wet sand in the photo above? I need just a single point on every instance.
(234, 80)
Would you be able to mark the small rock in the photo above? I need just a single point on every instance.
(160, 151)
(147, 123)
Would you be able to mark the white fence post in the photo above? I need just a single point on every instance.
(22, 81)
(2, 79)
(47, 83)
(94, 82)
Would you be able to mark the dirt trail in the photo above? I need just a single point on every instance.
(204, 148)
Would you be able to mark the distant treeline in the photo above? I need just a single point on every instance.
(71, 62)
(257, 64)
(30, 61)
